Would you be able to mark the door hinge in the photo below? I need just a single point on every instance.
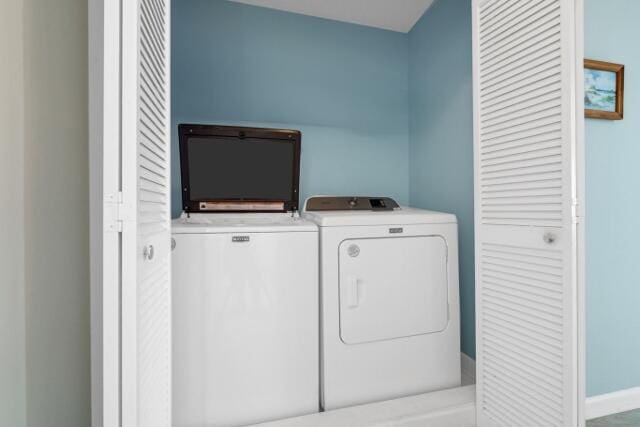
(116, 212)
(575, 211)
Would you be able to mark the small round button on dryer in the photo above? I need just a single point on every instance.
(353, 250)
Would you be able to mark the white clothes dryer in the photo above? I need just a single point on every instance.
(389, 300)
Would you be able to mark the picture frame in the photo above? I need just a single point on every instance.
(604, 90)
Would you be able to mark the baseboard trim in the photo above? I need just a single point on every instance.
(468, 368)
(612, 403)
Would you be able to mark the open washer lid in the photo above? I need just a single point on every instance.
(239, 169)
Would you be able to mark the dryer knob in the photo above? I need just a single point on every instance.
(353, 250)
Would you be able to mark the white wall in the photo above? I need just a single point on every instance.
(12, 315)
(44, 240)
(56, 213)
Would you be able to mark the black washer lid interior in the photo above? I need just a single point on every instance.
(239, 169)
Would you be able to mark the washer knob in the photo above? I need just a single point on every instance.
(353, 202)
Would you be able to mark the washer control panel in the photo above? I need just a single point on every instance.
(351, 203)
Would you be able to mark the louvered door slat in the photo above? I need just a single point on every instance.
(524, 19)
(520, 41)
(519, 334)
(515, 105)
(515, 158)
(547, 141)
(547, 392)
(146, 185)
(506, 62)
(524, 80)
(520, 113)
(154, 308)
(503, 12)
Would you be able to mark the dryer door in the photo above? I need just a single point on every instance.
(392, 287)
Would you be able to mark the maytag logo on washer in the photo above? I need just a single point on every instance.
(240, 239)
(396, 230)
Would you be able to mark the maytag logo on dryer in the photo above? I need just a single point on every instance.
(240, 239)
(397, 230)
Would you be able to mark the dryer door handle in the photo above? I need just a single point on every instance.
(353, 293)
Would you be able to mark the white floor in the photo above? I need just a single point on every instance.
(446, 408)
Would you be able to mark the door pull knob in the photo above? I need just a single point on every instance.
(148, 252)
(549, 238)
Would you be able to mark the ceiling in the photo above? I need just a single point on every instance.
(395, 15)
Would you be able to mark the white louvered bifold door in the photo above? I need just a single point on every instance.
(146, 290)
(525, 186)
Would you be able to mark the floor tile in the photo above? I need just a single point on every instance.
(624, 419)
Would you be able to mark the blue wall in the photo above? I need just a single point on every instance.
(441, 132)
(344, 86)
(612, 207)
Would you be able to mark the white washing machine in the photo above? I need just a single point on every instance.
(245, 319)
(389, 300)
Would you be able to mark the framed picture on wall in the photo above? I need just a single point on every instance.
(603, 90)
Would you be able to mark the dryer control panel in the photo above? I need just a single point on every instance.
(354, 203)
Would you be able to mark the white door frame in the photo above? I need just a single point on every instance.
(104, 164)
(105, 193)
(580, 212)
